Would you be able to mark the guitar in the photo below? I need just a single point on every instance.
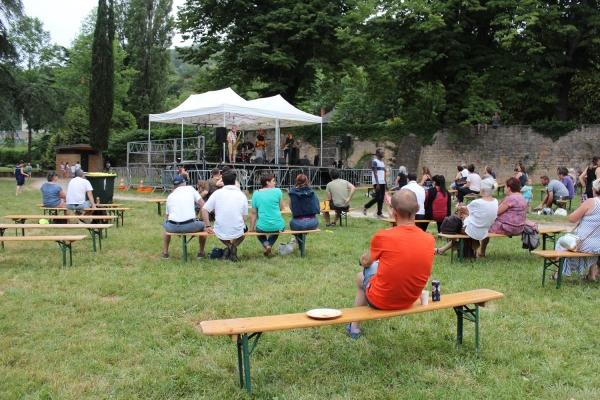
(288, 145)
(261, 144)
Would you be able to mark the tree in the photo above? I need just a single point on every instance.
(102, 81)
(146, 36)
(10, 10)
(281, 44)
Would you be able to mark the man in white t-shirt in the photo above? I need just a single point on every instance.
(231, 213)
(79, 188)
(379, 185)
(472, 185)
(418, 190)
(181, 214)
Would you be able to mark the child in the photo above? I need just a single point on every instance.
(527, 194)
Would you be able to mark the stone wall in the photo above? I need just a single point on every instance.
(504, 147)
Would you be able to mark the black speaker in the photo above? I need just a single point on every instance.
(221, 135)
(346, 142)
(258, 160)
(295, 156)
(304, 161)
(316, 160)
(281, 161)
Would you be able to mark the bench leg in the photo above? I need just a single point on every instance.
(93, 235)
(63, 247)
(548, 265)
(551, 237)
(461, 248)
(2, 234)
(302, 245)
(471, 314)
(158, 204)
(244, 352)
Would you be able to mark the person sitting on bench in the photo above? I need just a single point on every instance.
(230, 206)
(52, 193)
(555, 191)
(393, 278)
(338, 196)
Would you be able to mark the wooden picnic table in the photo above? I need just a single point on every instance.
(555, 258)
(159, 203)
(20, 219)
(118, 211)
(65, 242)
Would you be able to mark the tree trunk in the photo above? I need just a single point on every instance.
(29, 135)
(562, 92)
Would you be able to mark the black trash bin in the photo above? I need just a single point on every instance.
(103, 186)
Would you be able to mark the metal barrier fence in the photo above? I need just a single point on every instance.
(249, 179)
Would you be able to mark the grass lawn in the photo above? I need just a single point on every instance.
(122, 323)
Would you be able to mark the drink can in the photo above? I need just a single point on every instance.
(435, 291)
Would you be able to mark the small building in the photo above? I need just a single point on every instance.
(82, 152)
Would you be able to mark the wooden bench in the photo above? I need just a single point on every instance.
(471, 196)
(343, 215)
(563, 203)
(118, 211)
(555, 258)
(64, 242)
(301, 245)
(240, 330)
(20, 219)
(158, 202)
(548, 234)
(110, 205)
(501, 188)
(93, 229)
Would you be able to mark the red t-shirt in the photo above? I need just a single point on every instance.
(405, 255)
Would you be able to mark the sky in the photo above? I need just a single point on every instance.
(63, 18)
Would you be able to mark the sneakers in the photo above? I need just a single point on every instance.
(365, 211)
(165, 255)
(354, 333)
(226, 254)
(201, 255)
(233, 254)
(378, 216)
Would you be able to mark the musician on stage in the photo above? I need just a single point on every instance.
(287, 148)
(261, 143)
(231, 139)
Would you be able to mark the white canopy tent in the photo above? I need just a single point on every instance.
(226, 108)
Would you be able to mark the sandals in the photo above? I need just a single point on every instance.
(354, 333)
(588, 279)
(554, 276)
(329, 225)
(437, 252)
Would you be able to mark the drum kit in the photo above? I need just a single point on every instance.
(247, 152)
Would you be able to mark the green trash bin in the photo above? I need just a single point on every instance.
(103, 186)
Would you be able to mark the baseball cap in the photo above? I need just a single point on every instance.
(178, 180)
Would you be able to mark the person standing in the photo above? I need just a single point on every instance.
(20, 175)
(231, 139)
(287, 148)
(379, 186)
(181, 214)
(261, 143)
(588, 176)
(73, 169)
(29, 169)
(62, 169)
(230, 207)
(267, 204)
(392, 277)
(67, 170)
(52, 194)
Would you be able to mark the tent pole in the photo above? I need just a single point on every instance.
(321, 157)
(277, 141)
(149, 146)
(181, 150)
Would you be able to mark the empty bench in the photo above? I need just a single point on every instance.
(93, 229)
(118, 211)
(241, 330)
(64, 242)
(301, 244)
(555, 258)
(548, 234)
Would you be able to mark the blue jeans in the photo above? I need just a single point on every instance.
(303, 225)
(79, 207)
(264, 240)
(190, 227)
(368, 273)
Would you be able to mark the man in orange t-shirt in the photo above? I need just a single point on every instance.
(398, 265)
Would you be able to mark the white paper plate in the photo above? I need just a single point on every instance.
(324, 313)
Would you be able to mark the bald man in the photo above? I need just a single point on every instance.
(398, 264)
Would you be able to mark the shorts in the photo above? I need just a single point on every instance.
(79, 207)
(369, 273)
(189, 227)
(230, 148)
(528, 199)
